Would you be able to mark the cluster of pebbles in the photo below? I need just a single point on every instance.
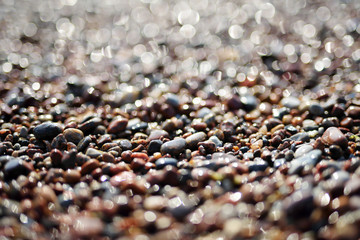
(179, 120)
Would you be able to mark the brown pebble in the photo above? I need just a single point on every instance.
(117, 125)
(89, 166)
(56, 157)
(72, 176)
(73, 135)
(333, 135)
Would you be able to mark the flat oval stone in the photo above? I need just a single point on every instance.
(117, 125)
(305, 148)
(16, 167)
(173, 147)
(302, 136)
(333, 135)
(47, 130)
(194, 139)
(87, 227)
(154, 146)
(299, 204)
(162, 162)
(249, 102)
(157, 134)
(93, 153)
(73, 135)
(316, 109)
(89, 166)
(90, 125)
(290, 102)
(309, 159)
(353, 112)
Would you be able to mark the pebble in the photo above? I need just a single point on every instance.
(249, 102)
(194, 139)
(47, 130)
(93, 153)
(173, 147)
(302, 136)
(162, 162)
(353, 112)
(309, 159)
(16, 167)
(290, 102)
(316, 109)
(216, 140)
(117, 125)
(89, 166)
(299, 204)
(333, 135)
(304, 148)
(158, 134)
(154, 146)
(90, 125)
(73, 135)
(87, 227)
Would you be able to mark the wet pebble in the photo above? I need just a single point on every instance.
(173, 147)
(162, 162)
(16, 167)
(194, 139)
(73, 135)
(117, 125)
(47, 130)
(290, 102)
(154, 146)
(302, 136)
(333, 135)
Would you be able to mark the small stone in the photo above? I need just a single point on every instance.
(59, 142)
(72, 176)
(47, 130)
(257, 164)
(299, 204)
(16, 167)
(117, 125)
(155, 203)
(302, 136)
(194, 139)
(216, 140)
(93, 153)
(154, 146)
(158, 134)
(73, 135)
(56, 157)
(316, 109)
(124, 144)
(290, 102)
(90, 125)
(333, 135)
(173, 147)
(309, 125)
(309, 159)
(304, 148)
(69, 159)
(89, 166)
(353, 112)
(88, 227)
(162, 162)
(84, 143)
(180, 206)
(249, 102)
(352, 186)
